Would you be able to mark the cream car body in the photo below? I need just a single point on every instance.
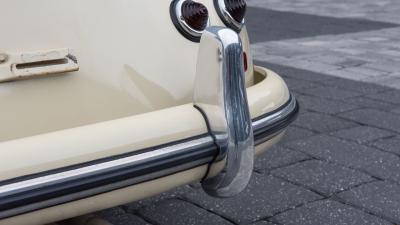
(133, 91)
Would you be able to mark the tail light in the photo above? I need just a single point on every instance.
(190, 18)
(231, 12)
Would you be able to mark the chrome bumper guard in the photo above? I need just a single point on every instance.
(219, 94)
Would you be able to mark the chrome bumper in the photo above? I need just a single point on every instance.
(29, 193)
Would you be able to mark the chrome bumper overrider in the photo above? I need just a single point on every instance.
(220, 95)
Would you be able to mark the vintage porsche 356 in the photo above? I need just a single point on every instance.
(107, 102)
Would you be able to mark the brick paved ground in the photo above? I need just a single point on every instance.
(340, 162)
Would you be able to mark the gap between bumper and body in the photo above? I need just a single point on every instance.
(29, 193)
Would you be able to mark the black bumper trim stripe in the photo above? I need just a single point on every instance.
(98, 161)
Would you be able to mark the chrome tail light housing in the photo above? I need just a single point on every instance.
(190, 18)
(231, 12)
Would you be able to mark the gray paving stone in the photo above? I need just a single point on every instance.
(380, 198)
(178, 212)
(331, 93)
(396, 110)
(381, 80)
(362, 134)
(351, 62)
(350, 51)
(374, 57)
(326, 57)
(323, 177)
(297, 84)
(373, 161)
(294, 133)
(118, 216)
(327, 106)
(394, 53)
(346, 74)
(258, 20)
(278, 156)
(277, 53)
(392, 96)
(386, 67)
(322, 123)
(384, 10)
(312, 65)
(395, 74)
(356, 86)
(370, 103)
(327, 212)
(389, 144)
(294, 73)
(393, 82)
(263, 223)
(264, 197)
(359, 56)
(386, 80)
(175, 193)
(366, 71)
(375, 118)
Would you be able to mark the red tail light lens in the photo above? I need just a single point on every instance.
(195, 15)
(237, 9)
(190, 18)
(231, 12)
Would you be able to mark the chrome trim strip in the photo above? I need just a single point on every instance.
(97, 168)
(226, 17)
(45, 190)
(267, 126)
(176, 12)
(268, 120)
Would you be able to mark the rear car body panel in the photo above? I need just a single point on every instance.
(129, 55)
(132, 94)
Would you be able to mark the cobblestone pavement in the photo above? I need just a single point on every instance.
(340, 161)
(361, 52)
(382, 10)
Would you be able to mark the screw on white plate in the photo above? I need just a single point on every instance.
(3, 58)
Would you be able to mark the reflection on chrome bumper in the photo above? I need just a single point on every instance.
(33, 192)
(220, 95)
